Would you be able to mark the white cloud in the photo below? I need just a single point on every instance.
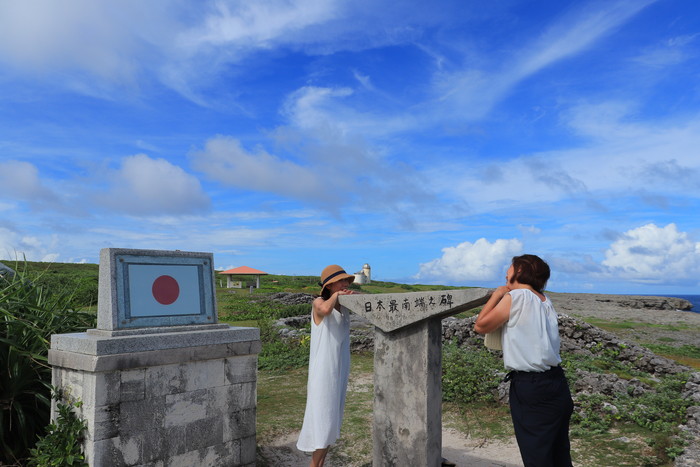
(478, 261)
(529, 229)
(100, 38)
(146, 186)
(256, 24)
(15, 245)
(623, 156)
(20, 180)
(656, 255)
(225, 160)
(309, 107)
(472, 92)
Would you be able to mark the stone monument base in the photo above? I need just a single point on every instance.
(159, 396)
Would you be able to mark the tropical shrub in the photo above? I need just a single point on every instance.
(469, 375)
(63, 444)
(29, 315)
(281, 353)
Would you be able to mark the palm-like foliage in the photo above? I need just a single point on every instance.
(29, 315)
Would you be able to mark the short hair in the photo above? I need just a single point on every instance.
(531, 270)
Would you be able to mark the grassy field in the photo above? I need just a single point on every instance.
(635, 438)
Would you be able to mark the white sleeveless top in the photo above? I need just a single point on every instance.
(530, 337)
(329, 369)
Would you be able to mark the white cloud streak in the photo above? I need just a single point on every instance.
(471, 93)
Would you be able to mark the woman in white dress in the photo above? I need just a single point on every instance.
(540, 401)
(329, 366)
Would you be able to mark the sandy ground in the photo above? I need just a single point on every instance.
(459, 449)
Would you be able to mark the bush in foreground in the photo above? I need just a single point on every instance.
(29, 315)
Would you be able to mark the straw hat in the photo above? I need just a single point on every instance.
(333, 273)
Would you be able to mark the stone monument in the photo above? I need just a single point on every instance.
(407, 428)
(161, 382)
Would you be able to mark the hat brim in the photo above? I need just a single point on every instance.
(337, 278)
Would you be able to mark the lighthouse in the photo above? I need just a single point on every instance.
(364, 276)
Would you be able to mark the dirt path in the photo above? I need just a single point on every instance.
(461, 450)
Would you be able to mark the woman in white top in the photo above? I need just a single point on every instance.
(540, 401)
(329, 366)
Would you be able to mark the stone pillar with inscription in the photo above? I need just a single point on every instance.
(160, 381)
(407, 427)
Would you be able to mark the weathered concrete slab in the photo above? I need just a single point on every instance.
(392, 311)
(167, 402)
(95, 344)
(407, 428)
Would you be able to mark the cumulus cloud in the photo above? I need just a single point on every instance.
(146, 186)
(655, 255)
(225, 160)
(20, 180)
(478, 261)
(96, 38)
(332, 169)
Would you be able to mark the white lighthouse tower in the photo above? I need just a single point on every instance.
(364, 276)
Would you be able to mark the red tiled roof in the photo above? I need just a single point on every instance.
(243, 270)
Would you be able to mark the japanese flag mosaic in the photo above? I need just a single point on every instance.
(163, 290)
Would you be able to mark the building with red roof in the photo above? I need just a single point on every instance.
(243, 271)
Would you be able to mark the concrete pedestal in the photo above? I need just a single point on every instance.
(407, 427)
(161, 396)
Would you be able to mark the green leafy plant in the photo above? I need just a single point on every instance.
(63, 444)
(469, 375)
(29, 314)
(281, 353)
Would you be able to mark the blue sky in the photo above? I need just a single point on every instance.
(432, 140)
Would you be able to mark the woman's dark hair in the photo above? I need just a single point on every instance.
(531, 270)
(326, 293)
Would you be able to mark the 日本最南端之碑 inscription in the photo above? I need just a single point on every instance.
(391, 311)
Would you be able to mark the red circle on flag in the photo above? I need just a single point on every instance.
(165, 290)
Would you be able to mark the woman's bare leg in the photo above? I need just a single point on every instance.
(318, 457)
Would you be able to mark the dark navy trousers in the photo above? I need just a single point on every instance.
(541, 407)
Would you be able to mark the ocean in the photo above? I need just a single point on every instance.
(694, 299)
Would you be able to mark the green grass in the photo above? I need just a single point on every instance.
(647, 423)
(480, 420)
(77, 280)
(282, 400)
(613, 326)
(688, 355)
(623, 441)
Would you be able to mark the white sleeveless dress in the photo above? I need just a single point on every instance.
(329, 369)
